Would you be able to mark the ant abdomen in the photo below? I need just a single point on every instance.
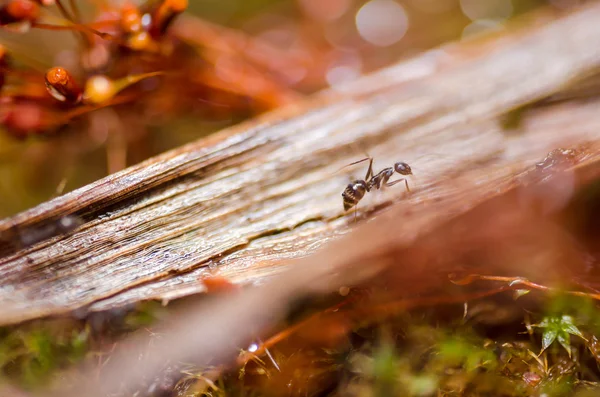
(353, 193)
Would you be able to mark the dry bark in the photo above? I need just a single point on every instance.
(242, 203)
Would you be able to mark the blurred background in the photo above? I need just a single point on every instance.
(218, 77)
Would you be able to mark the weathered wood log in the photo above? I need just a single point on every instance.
(238, 203)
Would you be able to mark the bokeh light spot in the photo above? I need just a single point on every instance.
(344, 69)
(381, 22)
(481, 26)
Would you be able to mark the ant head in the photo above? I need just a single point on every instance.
(402, 168)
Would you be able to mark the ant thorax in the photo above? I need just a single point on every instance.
(381, 178)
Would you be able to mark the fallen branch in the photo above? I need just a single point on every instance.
(241, 203)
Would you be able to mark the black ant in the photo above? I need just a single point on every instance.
(356, 190)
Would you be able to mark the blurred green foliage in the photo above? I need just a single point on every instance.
(31, 353)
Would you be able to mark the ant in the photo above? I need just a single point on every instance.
(356, 190)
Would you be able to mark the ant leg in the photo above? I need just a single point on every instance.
(383, 182)
(370, 170)
(360, 161)
(368, 157)
(399, 180)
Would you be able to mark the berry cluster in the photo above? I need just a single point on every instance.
(136, 58)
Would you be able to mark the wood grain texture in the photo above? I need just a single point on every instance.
(239, 203)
